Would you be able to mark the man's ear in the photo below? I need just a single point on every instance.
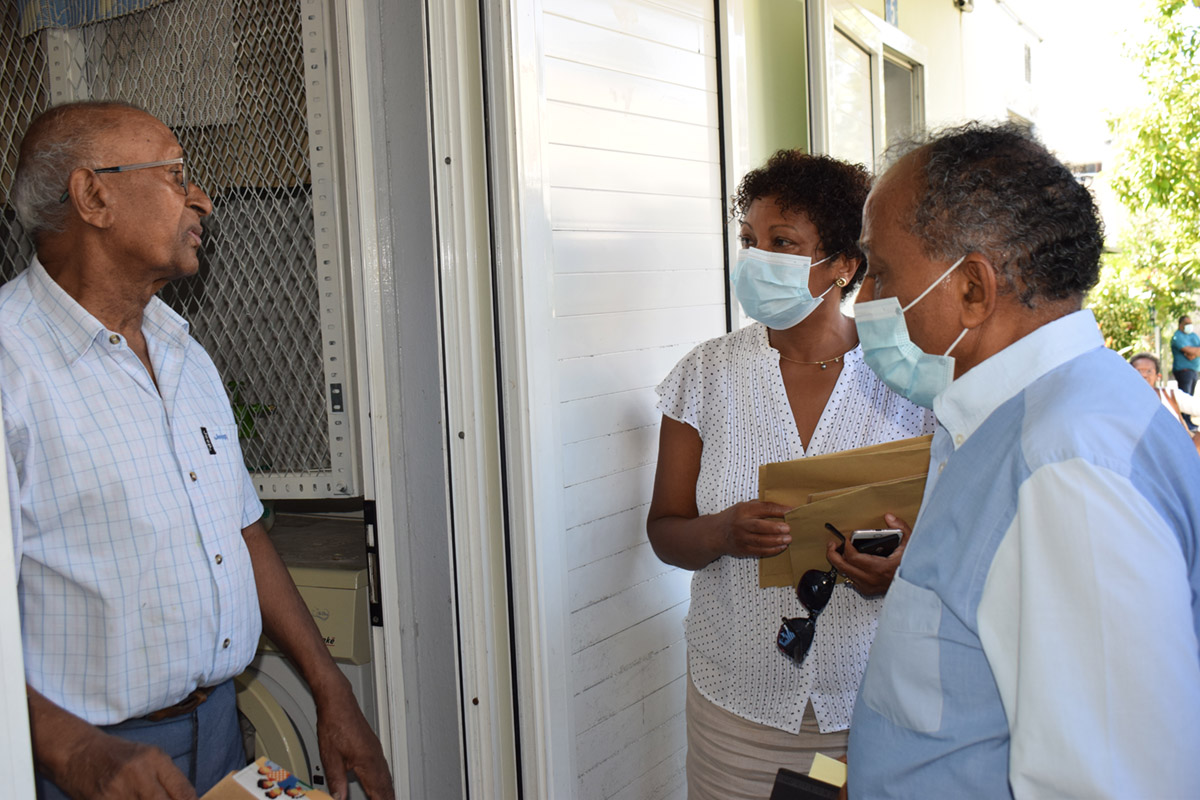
(979, 284)
(90, 198)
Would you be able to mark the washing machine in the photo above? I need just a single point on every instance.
(327, 559)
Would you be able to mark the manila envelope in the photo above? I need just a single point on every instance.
(848, 510)
(851, 489)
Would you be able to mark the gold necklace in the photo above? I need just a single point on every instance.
(822, 364)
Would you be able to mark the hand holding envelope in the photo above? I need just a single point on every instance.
(851, 489)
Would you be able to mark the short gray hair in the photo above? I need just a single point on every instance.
(58, 141)
(995, 189)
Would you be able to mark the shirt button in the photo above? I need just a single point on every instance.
(218, 559)
(941, 467)
(958, 439)
(114, 339)
(225, 645)
(193, 475)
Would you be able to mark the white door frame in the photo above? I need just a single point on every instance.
(524, 283)
(393, 246)
(473, 404)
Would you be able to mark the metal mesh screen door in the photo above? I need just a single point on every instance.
(245, 85)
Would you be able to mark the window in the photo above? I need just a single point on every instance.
(903, 112)
(868, 84)
(850, 102)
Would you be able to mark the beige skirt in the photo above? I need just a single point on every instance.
(731, 757)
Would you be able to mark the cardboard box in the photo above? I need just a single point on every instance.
(262, 780)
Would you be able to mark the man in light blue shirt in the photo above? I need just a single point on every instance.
(1185, 359)
(144, 574)
(1040, 638)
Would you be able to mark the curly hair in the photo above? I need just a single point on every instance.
(996, 190)
(831, 193)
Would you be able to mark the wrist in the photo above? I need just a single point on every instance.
(58, 738)
(721, 540)
(331, 689)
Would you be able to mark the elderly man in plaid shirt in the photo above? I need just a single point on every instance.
(145, 576)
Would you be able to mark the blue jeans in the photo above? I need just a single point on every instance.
(206, 743)
(1186, 378)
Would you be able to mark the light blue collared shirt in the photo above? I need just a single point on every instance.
(1041, 636)
(128, 501)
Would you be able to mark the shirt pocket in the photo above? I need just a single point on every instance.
(903, 682)
(223, 454)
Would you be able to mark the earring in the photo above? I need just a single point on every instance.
(841, 282)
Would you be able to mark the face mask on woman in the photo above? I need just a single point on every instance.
(899, 363)
(773, 287)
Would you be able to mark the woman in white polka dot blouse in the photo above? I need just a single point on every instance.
(793, 384)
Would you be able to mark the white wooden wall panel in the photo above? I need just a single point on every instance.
(594, 665)
(615, 130)
(582, 84)
(605, 536)
(615, 372)
(646, 752)
(610, 576)
(646, 717)
(700, 9)
(581, 335)
(629, 172)
(612, 614)
(686, 32)
(599, 293)
(626, 690)
(604, 414)
(632, 164)
(621, 53)
(663, 781)
(588, 209)
(608, 495)
(627, 251)
(607, 455)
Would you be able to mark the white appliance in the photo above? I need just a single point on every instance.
(327, 559)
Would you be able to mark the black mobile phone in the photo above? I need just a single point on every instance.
(791, 785)
(876, 542)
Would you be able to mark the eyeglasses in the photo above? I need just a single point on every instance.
(183, 177)
(795, 635)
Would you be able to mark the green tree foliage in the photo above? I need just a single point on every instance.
(1157, 178)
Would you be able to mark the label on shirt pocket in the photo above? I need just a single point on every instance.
(220, 457)
(903, 682)
(218, 438)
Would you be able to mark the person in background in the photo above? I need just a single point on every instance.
(1185, 360)
(793, 384)
(145, 576)
(1040, 638)
(1177, 401)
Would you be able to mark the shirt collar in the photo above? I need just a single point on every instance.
(971, 399)
(77, 330)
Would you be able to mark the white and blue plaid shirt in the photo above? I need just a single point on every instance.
(128, 505)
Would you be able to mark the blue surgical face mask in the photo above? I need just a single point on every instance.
(773, 287)
(899, 363)
(1189, 328)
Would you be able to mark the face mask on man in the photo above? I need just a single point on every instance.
(1189, 328)
(889, 351)
(773, 287)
